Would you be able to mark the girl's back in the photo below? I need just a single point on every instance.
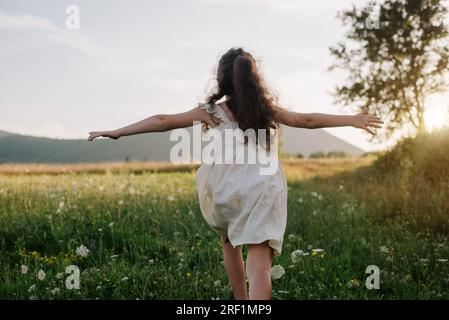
(238, 199)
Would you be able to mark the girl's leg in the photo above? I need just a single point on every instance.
(258, 270)
(235, 269)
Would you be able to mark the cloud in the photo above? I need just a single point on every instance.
(24, 21)
(44, 28)
(39, 29)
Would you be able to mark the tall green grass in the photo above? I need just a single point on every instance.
(147, 239)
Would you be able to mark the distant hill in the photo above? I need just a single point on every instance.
(4, 134)
(146, 147)
(306, 141)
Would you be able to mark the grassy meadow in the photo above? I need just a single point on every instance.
(146, 238)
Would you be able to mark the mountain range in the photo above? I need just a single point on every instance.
(17, 148)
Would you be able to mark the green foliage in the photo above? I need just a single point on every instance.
(427, 155)
(337, 154)
(396, 54)
(148, 240)
(318, 154)
(330, 154)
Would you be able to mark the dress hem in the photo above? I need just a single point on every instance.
(277, 250)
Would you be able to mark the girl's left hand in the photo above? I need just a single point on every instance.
(108, 134)
(364, 121)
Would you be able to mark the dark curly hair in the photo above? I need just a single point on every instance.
(248, 98)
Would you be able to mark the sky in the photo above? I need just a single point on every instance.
(129, 60)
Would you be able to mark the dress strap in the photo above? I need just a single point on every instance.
(215, 109)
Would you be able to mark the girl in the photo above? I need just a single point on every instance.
(240, 204)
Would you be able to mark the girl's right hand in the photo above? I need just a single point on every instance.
(364, 121)
(107, 134)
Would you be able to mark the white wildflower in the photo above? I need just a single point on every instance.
(171, 198)
(353, 283)
(297, 254)
(23, 269)
(82, 251)
(41, 275)
(59, 275)
(32, 288)
(291, 237)
(277, 271)
(55, 291)
(384, 249)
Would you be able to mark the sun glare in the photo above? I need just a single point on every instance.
(436, 115)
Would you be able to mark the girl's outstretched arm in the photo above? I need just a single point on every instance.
(322, 120)
(158, 123)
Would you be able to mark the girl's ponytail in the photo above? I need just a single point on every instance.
(249, 100)
(244, 91)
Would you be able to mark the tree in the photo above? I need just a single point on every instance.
(396, 53)
(317, 155)
(337, 154)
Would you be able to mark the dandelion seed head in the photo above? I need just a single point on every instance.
(41, 275)
(277, 271)
(82, 251)
(23, 269)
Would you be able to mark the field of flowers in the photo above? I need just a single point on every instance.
(139, 234)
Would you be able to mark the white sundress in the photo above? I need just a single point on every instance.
(238, 202)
